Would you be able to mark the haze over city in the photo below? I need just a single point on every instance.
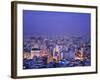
(56, 23)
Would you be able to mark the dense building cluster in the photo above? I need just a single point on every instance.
(58, 51)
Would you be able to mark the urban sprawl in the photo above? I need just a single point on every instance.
(55, 52)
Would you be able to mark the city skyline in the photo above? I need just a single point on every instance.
(56, 39)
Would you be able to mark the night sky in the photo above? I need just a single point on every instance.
(56, 23)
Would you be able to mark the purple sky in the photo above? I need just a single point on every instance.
(56, 23)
